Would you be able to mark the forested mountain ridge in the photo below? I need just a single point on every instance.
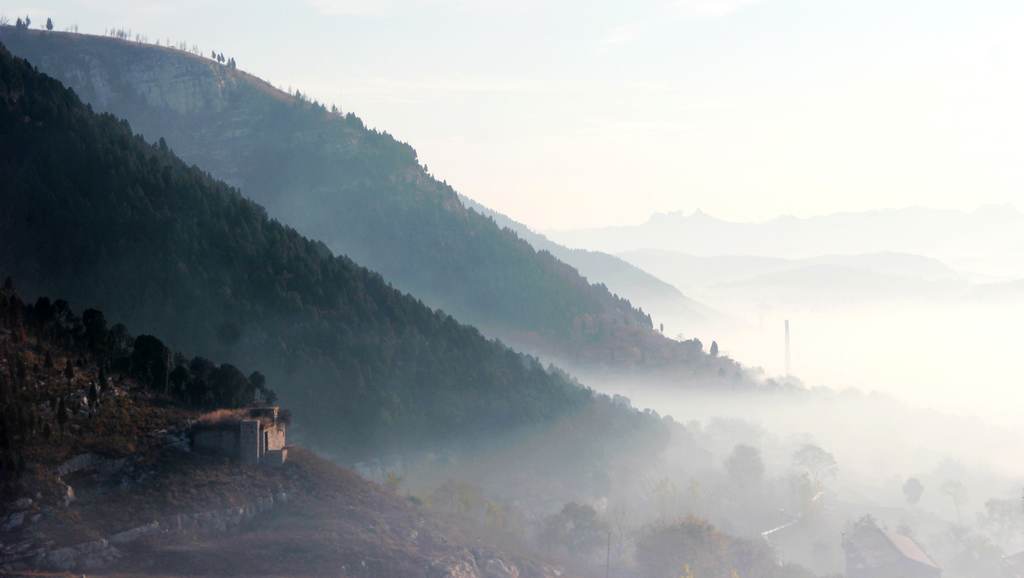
(95, 213)
(364, 194)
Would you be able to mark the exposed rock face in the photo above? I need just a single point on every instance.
(498, 568)
(87, 556)
(90, 461)
(133, 534)
(97, 554)
(455, 567)
(482, 564)
(215, 106)
(21, 504)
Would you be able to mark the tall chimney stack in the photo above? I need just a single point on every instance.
(787, 348)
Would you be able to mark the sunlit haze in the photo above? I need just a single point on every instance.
(481, 289)
(574, 114)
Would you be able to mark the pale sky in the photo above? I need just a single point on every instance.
(576, 113)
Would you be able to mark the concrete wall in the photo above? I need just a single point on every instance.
(223, 441)
(275, 438)
(249, 444)
(275, 457)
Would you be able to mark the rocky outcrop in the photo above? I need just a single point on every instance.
(454, 567)
(87, 556)
(97, 554)
(488, 564)
(498, 568)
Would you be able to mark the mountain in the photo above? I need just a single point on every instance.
(621, 277)
(965, 240)
(691, 271)
(818, 279)
(95, 213)
(362, 193)
(98, 475)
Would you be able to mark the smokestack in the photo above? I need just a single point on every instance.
(787, 348)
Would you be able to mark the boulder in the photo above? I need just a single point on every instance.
(12, 521)
(498, 568)
(133, 534)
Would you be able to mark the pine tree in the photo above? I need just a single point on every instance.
(49, 24)
(62, 416)
(714, 349)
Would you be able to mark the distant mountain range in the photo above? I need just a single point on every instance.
(364, 194)
(660, 299)
(988, 241)
(829, 279)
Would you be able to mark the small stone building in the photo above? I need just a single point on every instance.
(872, 552)
(252, 436)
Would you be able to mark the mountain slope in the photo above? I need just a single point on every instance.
(103, 480)
(653, 295)
(361, 192)
(93, 212)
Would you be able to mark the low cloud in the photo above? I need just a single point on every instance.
(710, 8)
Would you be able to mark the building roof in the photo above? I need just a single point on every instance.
(910, 549)
(227, 418)
(868, 545)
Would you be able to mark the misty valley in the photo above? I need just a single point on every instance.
(243, 332)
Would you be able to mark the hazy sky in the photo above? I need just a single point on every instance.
(575, 113)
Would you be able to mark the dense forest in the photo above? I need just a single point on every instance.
(364, 194)
(96, 214)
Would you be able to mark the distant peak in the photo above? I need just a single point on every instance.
(1002, 210)
(697, 215)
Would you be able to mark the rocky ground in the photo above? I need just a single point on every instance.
(308, 518)
(112, 488)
